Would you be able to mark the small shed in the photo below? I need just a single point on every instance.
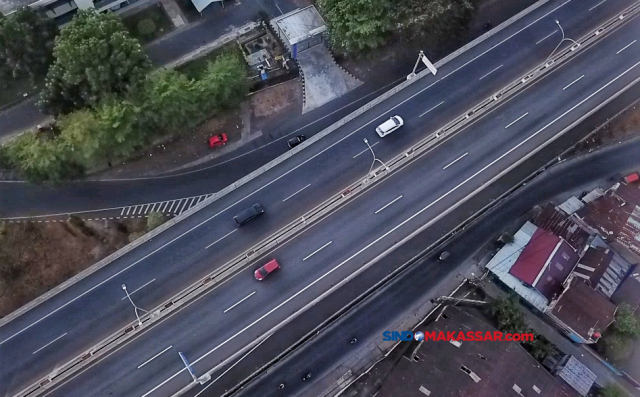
(300, 29)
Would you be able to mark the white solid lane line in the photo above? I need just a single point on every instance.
(508, 38)
(138, 289)
(298, 192)
(156, 356)
(394, 200)
(491, 72)
(365, 150)
(454, 161)
(56, 339)
(431, 109)
(316, 251)
(241, 300)
(597, 5)
(392, 230)
(221, 238)
(625, 47)
(546, 37)
(267, 184)
(573, 82)
(515, 121)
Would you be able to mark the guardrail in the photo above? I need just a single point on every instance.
(239, 263)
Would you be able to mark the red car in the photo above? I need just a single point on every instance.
(266, 269)
(217, 140)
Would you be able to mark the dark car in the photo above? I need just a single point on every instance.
(293, 142)
(248, 214)
(266, 269)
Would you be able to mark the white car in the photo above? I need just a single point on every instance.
(389, 126)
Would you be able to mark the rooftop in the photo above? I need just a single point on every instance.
(556, 270)
(577, 375)
(616, 215)
(9, 6)
(300, 24)
(478, 369)
(502, 262)
(629, 290)
(559, 223)
(534, 256)
(583, 309)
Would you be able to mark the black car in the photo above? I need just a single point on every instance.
(293, 142)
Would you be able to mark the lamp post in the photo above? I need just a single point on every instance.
(564, 38)
(374, 158)
(427, 63)
(135, 308)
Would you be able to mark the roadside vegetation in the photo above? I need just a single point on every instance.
(506, 312)
(616, 343)
(108, 103)
(357, 26)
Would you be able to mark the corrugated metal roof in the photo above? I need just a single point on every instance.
(577, 375)
(557, 222)
(616, 215)
(502, 262)
(571, 205)
(534, 256)
(556, 270)
(629, 290)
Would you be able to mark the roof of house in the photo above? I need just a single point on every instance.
(577, 375)
(559, 223)
(629, 290)
(478, 369)
(556, 270)
(593, 264)
(616, 215)
(300, 24)
(534, 256)
(504, 259)
(583, 309)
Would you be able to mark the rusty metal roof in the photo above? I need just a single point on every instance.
(559, 223)
(616, 215)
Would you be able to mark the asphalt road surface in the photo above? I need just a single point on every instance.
(427, 105)
(225, 320)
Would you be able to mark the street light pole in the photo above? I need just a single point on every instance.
(564, 38)
(374, 157)
(135, 308)
(426, 61)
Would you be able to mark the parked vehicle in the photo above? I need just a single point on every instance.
(295, 141)
(217, 140)
(248, 214)
(266, 269)
(444, 255)
(389, 126)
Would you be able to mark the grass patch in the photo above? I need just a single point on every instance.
(194, 69)
(12, 90)
(148, 24)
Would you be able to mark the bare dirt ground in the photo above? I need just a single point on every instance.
(623, 127)
(35, 257)
(275, 104)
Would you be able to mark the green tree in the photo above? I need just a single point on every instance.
(433, 19)
(508, 314)
(627, 323)
(358, 25)
(223, 84)
(41, 159)
(155, 219)
(26, 42)
(169, 101)
(146, 27)
(95, 56)
(612, 390)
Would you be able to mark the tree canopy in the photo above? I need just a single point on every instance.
(95, 57)
(26, 42)
(359, 25)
